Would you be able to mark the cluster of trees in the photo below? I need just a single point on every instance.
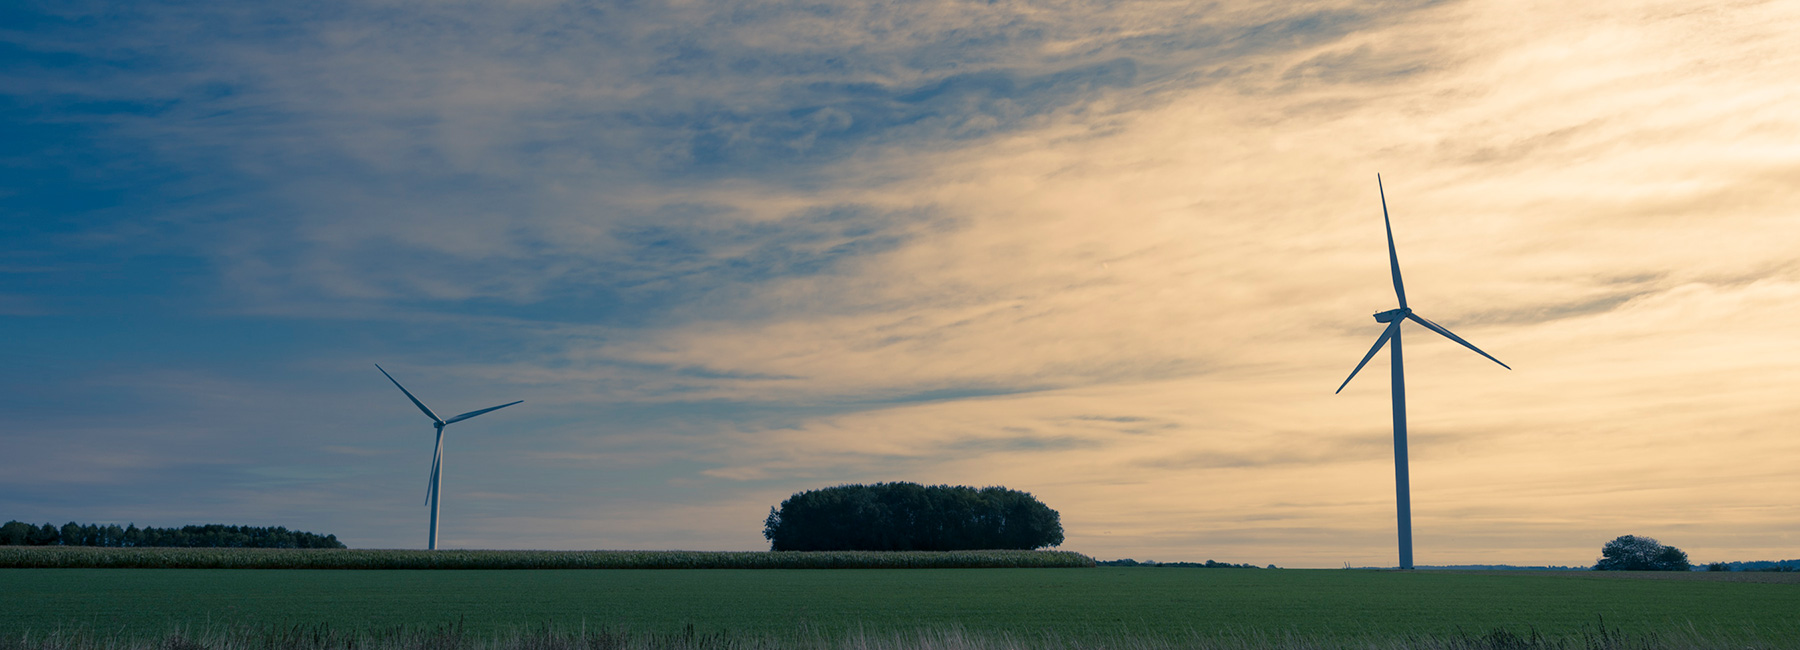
(911, 517)
(18, 533)
(1633, 553)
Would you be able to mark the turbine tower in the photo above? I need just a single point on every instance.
(1393, 318)
(437, 457)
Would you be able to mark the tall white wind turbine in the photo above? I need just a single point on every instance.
(1393, 318)
(437, 457)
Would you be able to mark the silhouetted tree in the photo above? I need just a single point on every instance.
(16, 533)
(911, 517)
(1633, 553)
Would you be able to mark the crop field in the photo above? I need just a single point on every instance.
(1150, 605)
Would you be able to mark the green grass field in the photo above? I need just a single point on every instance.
(1079, 603)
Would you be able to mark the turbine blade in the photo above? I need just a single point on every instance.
(1385, 335)
(1393, 258)
(1440, 329)
(431, 483)
(437, 457)
(409, 395)
(471, 414)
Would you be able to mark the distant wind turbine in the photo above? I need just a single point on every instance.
(437, 457)
(1393, 317)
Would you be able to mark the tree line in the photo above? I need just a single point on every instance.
(1771, 566)
(911, 517)
(18, 533)
(1209, 564)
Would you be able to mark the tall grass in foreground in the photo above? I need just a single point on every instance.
(322, 637)
(84, 557)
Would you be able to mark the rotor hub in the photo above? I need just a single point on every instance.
(1392, 315)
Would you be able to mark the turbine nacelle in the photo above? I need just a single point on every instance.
(1392, 315)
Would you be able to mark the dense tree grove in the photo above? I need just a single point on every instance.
(18, 533)
(1633, 553)
(911, 517)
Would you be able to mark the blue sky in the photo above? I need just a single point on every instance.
(1113, 254)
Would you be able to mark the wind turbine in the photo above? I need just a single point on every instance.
(1393, 318)
(437, 457)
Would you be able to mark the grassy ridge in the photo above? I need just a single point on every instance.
(82, 557)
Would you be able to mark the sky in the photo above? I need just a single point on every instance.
(1117, 255)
